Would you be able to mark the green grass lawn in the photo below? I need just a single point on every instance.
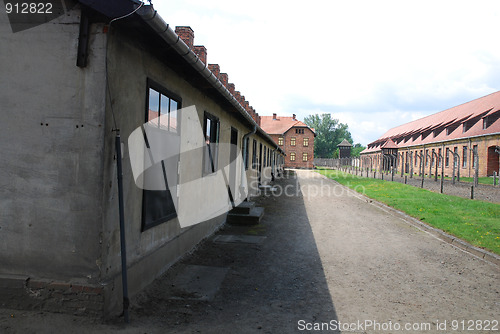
(476, 222)
(481, 180)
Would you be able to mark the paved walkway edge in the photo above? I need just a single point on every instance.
(440, 234)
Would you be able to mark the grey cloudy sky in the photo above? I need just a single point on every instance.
(371, 64)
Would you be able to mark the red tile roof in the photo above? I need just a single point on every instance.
(389, 144)
(280, 125)
(463, 121)
(345, 143)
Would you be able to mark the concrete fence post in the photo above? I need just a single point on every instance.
(442, 171)
(456, 166)
(411, 165)
(403, 164)
(427, 156)
(476, 167)
(422, 166)
(437, 165)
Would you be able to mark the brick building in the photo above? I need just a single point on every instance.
(456, 137)
(294, 137)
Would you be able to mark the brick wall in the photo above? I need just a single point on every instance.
(201, 52)
(224, 79)
(186, 34)
(23, 293)
(299, 148)
(487, 160)
(215, 68)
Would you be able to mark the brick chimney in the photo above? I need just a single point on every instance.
(274, 116)
(252, 112)
(249, 109)
(215, 68)
(237, 95)
(224, 79)
(293, 117)
(201, 52)
(186, 34)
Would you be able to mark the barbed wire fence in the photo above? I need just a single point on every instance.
(428, 172)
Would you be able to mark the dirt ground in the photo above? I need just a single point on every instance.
(327, 258)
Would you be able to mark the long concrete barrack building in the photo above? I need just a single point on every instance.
(458, 137)
(69, 85)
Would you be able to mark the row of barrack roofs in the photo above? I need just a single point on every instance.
(475, 118)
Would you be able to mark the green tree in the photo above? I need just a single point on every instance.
(329, 133)
(357, 149)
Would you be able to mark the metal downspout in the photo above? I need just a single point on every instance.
(273, 165)
(123, 246)
(245, 157)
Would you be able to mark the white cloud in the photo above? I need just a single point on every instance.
(365, 61)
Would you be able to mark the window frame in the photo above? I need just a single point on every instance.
(304, 157)
(292, 156)
(306, 142)
(254, 154)
(151, 84)
(474, 151)
(154, 195)
(293, 141)
(280, 141)
(264, 157)
(247, 153)
(211, 151)
(464, 156)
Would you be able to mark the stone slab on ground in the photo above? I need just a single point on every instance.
(233, 238)
(195, 282)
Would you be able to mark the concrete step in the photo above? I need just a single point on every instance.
(244, 207)
(267, 187)
(252, 218)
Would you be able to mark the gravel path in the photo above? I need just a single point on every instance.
(327, 255)
(381, 268)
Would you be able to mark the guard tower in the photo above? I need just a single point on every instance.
(344, 149)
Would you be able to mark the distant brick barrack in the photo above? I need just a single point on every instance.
(458, 137)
